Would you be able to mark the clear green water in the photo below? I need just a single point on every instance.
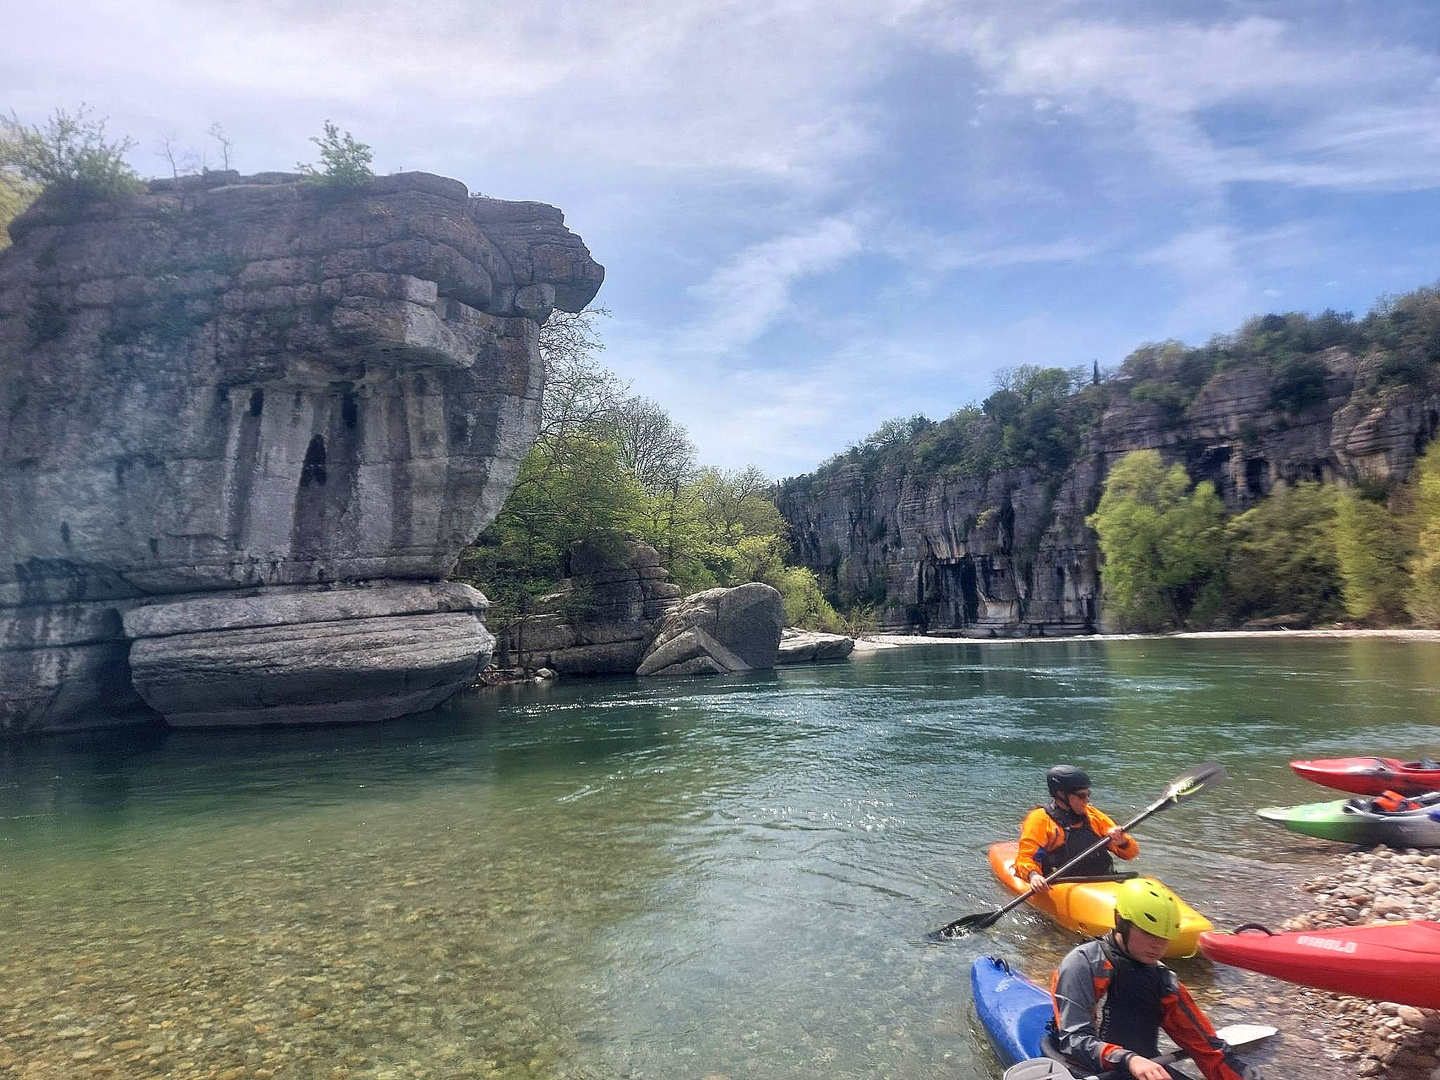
(663, 879)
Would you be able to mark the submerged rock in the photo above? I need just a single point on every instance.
(260, 384)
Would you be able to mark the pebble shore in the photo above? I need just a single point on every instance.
(1396, 1042)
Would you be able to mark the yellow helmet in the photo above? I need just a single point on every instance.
(1145, 903)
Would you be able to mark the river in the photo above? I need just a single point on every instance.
(676, 879)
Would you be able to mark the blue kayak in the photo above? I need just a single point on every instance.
(1012, 1009)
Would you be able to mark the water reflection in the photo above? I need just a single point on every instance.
(617, 878)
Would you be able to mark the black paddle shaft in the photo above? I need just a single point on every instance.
(1188, 783)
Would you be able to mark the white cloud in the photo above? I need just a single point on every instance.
(753, 289)
(1326, 113)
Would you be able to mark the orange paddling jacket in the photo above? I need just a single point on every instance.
(1041, 833)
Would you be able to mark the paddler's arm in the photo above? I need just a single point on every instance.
(1035, 836)
(1187, 1025)
(1121, 842)
(1073, 993)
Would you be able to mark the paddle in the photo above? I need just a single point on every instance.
(1236, 1035)
(1191, 782)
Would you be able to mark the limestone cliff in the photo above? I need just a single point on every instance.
(241, 416)
(1006, 552)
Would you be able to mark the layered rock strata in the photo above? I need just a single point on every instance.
(601, 618)
(617, 614)
(1009, 554)
(261, 384)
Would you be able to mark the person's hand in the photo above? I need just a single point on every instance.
(1039, 884)
(1142, 1068)
(1115, 835)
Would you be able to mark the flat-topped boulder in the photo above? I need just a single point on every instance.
(237, 383)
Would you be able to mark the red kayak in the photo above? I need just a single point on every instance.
(1397, 961)
(1372, 775)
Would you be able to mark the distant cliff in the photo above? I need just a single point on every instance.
(248, 425)
(976, 525)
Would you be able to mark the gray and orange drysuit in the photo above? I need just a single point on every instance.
(1109, 1007)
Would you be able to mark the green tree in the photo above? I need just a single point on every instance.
(1423, 598)
(344, 163)
(1373, 547)
(1281, 555)
(69, 157)
(1161, 540)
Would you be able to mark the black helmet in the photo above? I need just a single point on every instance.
(1066, 778)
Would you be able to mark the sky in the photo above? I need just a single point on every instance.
(816, 215)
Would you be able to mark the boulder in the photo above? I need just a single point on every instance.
(235, 383)
(718, 631)
(809, 646)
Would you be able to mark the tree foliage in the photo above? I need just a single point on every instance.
(70, 157)
(1160, 539)
(1372, 547)
(1423, 597)
(344, 162)
(609, 465)
(16, 195)
(1281, 555)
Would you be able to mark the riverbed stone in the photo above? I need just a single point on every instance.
(257, 383)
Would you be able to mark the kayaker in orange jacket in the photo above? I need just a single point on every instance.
(1113, 995)
(1055, 833)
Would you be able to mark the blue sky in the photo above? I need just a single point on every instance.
(816, 215)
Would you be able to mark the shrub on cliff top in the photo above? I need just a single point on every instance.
(69, 157)
(344, 163)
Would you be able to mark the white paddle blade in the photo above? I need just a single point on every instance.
(1038, 1069)
(1245, 1034)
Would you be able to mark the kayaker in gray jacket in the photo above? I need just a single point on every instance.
(1112, 997)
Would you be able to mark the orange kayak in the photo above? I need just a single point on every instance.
(1088, 907)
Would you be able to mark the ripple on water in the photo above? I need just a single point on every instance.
(611, 879)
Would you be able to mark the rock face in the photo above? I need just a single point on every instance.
(808, 647)
(603, 616)
(718, 631)
(307, 655)
(1009, 553)
(260, 384)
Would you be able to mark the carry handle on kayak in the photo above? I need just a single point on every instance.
(1235, 1035)
(1191, 782)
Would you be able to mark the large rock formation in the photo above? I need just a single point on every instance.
(601, 618)
(240, 415)
(1008, 553)
(718, 632)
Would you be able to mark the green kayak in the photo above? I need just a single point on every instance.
(1358, 821)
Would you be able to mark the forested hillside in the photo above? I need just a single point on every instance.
(1295, 437)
